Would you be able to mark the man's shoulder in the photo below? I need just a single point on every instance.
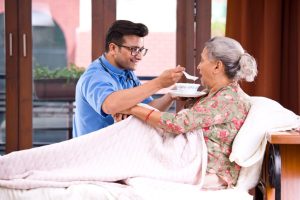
(94, 69)
(95, 65)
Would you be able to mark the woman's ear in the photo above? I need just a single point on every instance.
(219, 66)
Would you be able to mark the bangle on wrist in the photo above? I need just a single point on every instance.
(148, 115)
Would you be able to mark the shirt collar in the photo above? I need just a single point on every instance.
(113, 69)
(234, 85)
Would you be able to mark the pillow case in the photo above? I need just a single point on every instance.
(264, 115)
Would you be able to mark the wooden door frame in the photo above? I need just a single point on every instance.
(103, 15)
(18, 47)
(193, 30)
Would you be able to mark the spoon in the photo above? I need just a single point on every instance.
(189, 76)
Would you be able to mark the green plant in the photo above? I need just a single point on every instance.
(70, 72)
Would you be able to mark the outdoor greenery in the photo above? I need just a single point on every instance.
(70, 72)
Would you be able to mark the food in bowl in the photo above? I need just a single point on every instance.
(187, 88)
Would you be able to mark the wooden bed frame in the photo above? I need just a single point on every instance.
(280, 178)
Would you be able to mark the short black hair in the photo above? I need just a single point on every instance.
(121, 28)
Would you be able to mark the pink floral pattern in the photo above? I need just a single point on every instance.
(220, 116)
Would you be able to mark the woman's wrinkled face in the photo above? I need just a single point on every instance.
(206, 68)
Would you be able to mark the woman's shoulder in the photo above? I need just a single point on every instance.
(234, 93)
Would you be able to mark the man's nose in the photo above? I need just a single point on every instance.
(139, 55)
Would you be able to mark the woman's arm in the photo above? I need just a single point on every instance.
(158, 119)
(217, 110)
(150, 116)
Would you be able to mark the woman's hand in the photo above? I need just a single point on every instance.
(119, 117)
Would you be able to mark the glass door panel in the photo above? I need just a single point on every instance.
(218, 17)
(61, 40)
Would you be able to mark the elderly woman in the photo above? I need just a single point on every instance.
(220, 114)
(133, 148)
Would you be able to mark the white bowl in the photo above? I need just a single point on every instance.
(187, 88)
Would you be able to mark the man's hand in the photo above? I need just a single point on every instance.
(170, 76)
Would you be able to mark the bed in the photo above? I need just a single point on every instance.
(265, 116)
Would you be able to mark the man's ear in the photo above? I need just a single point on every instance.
(112, 48)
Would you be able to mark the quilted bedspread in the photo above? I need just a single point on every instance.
(125, 150)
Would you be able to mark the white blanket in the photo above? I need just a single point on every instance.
(128, 149)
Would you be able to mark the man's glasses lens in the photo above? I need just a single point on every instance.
(135, 50)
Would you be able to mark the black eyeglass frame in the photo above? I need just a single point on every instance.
(134, 50)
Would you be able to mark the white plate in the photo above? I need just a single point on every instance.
(176, 93)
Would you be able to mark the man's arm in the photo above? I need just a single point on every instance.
(124, 99)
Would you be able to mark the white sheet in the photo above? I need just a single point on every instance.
(138, 189)
(101, 191)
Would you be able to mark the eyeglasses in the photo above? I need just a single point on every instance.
(135, 50)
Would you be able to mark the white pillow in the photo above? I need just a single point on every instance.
(249, 176)
(264, 115)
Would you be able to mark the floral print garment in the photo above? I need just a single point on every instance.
(220, 116)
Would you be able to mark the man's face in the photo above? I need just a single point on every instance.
(127, 55)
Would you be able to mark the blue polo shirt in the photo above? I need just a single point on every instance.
(98, 81)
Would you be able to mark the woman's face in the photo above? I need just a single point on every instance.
(206, 68)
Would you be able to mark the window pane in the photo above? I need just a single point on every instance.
(61, 39)
(218, 18)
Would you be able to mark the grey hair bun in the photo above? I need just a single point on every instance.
(248, 68)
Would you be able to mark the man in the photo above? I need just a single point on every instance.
(109, 85)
